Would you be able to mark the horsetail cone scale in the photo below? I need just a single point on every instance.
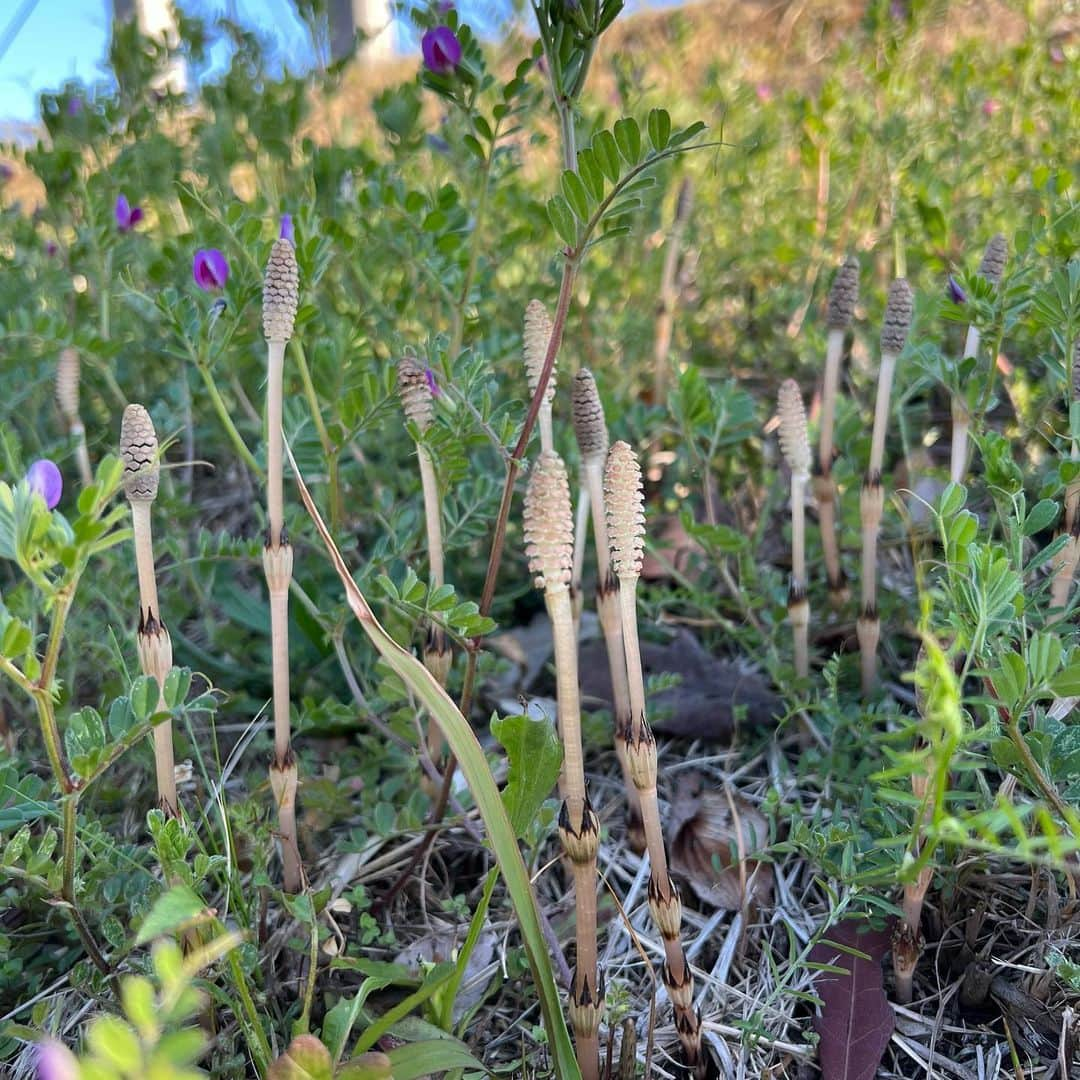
(536, 338)
(281, 292)
(899, 307)
(417, 401)
(794, 442)
(549, 524)
(67, 385)
(590, 427)
(624, 502)
(844, 295)
(993, 261)
(139, 453)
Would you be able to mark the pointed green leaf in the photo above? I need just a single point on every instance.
(628, 139)
(562, 219)
(659, 126)
(607, 154)
(575, 194)
(171, 910)
(535, 755)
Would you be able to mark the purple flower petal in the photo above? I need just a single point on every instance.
(56, 1062)
(956, 293)
(74, 106)
(441, 49)
(45, 478)
(286, 228)
(432, 382)
(127, 216)
(210, 269)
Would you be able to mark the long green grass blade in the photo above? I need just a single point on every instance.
(474, 767)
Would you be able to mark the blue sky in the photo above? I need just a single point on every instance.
(64, 39)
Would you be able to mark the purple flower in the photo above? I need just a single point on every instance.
(6, 172)
(956, 294)
(991, 106)
(127, 216)
(432, 382)
(51, 248)
(441, 49)
(56, 1062)
(438, 144)
(74, 105)
(764, 92)
(286, 228)
(44, 478)
(210, 269)
(443, 6)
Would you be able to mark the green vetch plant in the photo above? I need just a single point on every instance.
(843, 296)
(67, 400)
(280, 299)
(140, 455)
(418, 404)
(894, 331)
(624, 504)
(991, 268)
(590, 430)
(549, 539)
(795, 445)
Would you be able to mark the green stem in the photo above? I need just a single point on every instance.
(54, 747)
(329, 450)
(458, 332)
(304, 1023)
(226, 420)
(64, 597)
(70, 804)
(259, 1047)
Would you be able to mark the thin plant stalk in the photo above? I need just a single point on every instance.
(669, 293)
(139, 452)
(843, 297)
(549, 539)
(991, 268)
(894, 332)
(67, 398)
(624, 505)
(795, 445)
(590, 428)
(280, 298)
(417, 402)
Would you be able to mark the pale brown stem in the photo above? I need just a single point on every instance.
(275, 501)
(581, 532)
(164, 761)
(82, 454)
(868, 626)
(834, 351)
(881, 411)
(635, 682)
(279, 647)
(960, 419)
(569, 700)
(607, 605)
(547, 436)
(826, 495)
(868, 631)
(144, 557)
(432, 518)
(799, 606)
(594, 484)
(283, 783)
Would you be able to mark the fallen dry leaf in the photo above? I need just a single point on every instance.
(705, 848)
(855, 1022)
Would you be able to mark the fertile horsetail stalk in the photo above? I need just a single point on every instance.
(67, 398)
(590, 428)
(991, 268)
(549, 544)
(624, 503)
(280, 299)
(139, 453)
(843, 297)
(418, 404)
(894, 332)
(795, 445)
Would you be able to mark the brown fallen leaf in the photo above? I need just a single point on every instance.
(856, 1021)
(707, 844)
